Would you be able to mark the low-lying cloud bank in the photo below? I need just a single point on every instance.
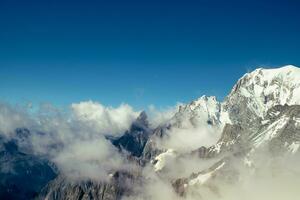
(275, 178)
(12, 117)
(185, 140)
(74, 139)
(90, 159)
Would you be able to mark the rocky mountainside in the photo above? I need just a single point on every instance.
(245, 108)
(134, 140)
(22, 174)
(261, 113)
(279, 134)
(280, 129)
(262, 110)
(119, 185)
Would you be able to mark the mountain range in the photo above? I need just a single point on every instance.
(205, 143)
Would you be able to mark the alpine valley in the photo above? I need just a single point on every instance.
(246, 147)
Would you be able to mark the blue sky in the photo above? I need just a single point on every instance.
(139, 52)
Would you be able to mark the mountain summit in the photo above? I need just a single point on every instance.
(262, 89)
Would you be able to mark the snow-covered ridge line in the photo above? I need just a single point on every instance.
(261, 89)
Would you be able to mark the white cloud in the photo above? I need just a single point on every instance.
(106, 120)
(191, 137)
(74, 139)
(81, 150)
(12, 118)
(271, 178)
(161, 116)
(91, 159)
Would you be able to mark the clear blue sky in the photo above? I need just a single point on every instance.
(139, 52)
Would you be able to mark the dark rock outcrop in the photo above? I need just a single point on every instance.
(120, 185)
(22, 175)
(135, 139)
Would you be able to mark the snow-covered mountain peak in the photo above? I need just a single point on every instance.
(204, 109)
(272, 72)
(209, 102)
(201, 112)
(264, 88)
(288, 73)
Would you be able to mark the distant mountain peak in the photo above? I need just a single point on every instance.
(143, 118)
(134, 140)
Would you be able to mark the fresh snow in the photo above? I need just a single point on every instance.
(202, 110)
(248, 162)
(202, 178)
(297, 121)
(268, 87)
(270, 132)
(293, 148)
(265, 122)
(163, 158)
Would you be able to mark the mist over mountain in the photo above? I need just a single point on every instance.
(245, 147)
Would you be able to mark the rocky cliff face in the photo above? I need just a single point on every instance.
(280, 129)
(134, 140)
(119, 185)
